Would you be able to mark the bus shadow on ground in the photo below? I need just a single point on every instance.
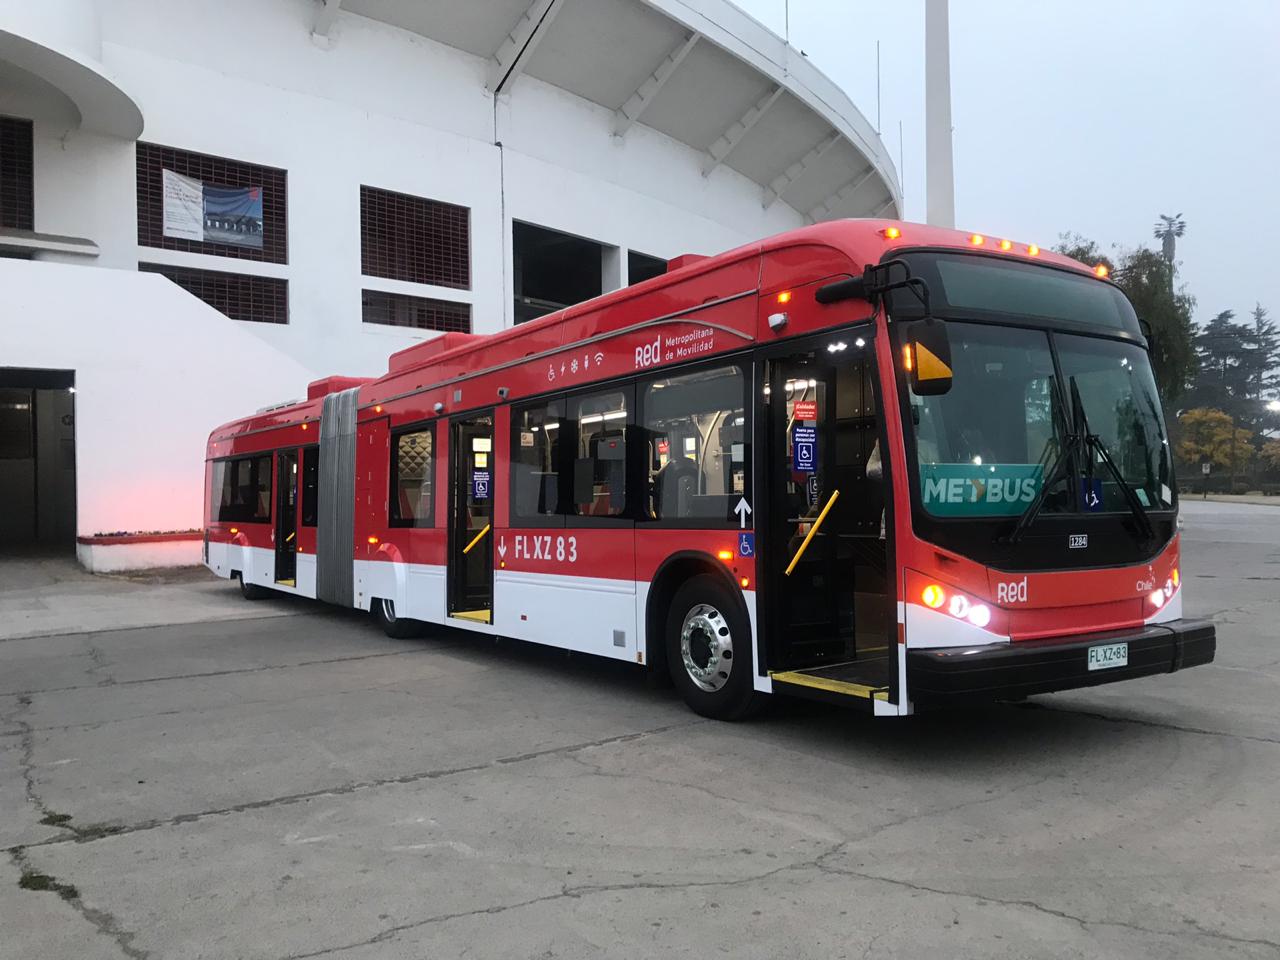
(984, 734)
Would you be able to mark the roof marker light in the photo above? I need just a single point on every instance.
(1033, 250)
(378, 408)
(891, 233)
(1006, 245)
(977, 239)
(933, 596)
(304, 426)
(1101, 270)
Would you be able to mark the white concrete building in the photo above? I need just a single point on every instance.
(362, 173)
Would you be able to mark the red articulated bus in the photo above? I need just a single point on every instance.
(865, 461)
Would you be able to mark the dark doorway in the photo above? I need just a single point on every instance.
(471, 523)
(830, 607)
(37, 458)
(552, 270)
(287, 517)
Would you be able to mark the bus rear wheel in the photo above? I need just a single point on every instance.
(397, 628)
(251, 591)
(709, 650)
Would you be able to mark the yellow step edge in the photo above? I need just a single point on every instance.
(476, 616)
(831, 686)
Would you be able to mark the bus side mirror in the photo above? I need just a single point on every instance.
(926, 357)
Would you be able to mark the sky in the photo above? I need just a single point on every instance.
(1084, 116)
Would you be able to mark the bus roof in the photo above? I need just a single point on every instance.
(863, 241)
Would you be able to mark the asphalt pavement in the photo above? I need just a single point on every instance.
(294, 784)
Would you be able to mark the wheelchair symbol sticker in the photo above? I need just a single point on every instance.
(746, 545)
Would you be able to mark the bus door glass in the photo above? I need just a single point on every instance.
(286, 533)
(826, 571)
(471, 525)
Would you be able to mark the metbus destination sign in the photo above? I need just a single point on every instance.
(979, 490)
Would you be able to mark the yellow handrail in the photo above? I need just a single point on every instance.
(812, 530)
(479, 537)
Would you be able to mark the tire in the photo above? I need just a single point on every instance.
(251, 591)
(397, 628)
(708, 644)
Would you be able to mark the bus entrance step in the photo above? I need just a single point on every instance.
(861, 679)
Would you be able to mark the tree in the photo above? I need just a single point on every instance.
(1147, 280)
(1237, 367)
(1209, 435)
(1167, 230)
(1087, 251)
(1270, 456)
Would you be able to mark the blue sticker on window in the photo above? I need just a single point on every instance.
(804, 449)
(746, 544)
(480, 484)
(1091, 494)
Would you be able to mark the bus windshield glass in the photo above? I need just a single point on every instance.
(985, 448)
(963, 285)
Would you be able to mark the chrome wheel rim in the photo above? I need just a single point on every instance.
(706, 646)
(389, 611)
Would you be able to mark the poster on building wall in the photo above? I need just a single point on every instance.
(233, 215)
(183, 207)
(211, 213)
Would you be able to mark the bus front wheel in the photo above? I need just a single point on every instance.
(709, 650)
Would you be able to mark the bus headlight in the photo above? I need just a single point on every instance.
(1157, 598)
(980, 615)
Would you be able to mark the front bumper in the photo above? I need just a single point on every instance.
(1014, 670)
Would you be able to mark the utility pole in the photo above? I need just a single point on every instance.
(940, 200)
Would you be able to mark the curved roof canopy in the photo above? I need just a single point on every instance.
(700, 71)
(50, 48)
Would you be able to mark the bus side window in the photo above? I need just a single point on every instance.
(310, 485)
(412, 478)
(242, 490)
(536, 460)
(599, 477)
(698, 454)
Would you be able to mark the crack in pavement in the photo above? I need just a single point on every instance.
(103, 922)
(225, 673)
(91, 833)
(1083, 922)
(1141, 722)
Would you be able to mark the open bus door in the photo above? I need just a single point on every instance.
(829, 616)
(286, 531)
(471, 518)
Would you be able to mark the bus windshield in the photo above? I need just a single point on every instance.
(985, 448)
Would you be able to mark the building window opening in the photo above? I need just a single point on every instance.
(553, 270)
(17, 179)
(641, 267)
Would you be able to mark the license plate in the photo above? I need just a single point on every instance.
(1108, 655)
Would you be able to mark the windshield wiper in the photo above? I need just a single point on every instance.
(1057, 469)
(1093, 443)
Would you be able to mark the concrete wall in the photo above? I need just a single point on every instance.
(147, 397)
